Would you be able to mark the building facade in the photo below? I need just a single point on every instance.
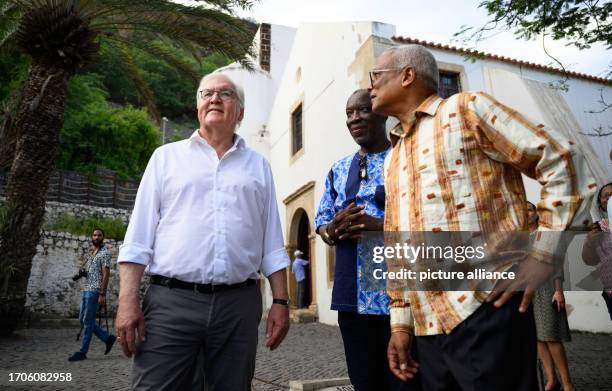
(295, 116)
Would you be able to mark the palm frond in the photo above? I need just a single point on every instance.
(134, 74)
(184, 68)
(7, 6)
(195, 28)
(10, 16)
(7, 34)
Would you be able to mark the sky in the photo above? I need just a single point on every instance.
(433, 20)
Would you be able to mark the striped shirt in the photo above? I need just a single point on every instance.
(457, 167)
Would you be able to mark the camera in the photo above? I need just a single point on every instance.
(80, 274)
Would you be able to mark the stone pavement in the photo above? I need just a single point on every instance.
(311, 351)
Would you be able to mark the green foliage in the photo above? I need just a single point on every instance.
(113, 228)
(95, 134)
(93, 123)
(13, 71)
(174, 91)
(583, 23)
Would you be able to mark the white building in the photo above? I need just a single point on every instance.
(295, 116)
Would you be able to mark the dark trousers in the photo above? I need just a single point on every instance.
(181, 323)
(302, 287)
(493, 349)
(366, 338)
(608, 299)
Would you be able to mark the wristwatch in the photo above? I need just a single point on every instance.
(281, 302)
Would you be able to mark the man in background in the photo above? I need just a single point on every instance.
(298, 267)
(96, 271)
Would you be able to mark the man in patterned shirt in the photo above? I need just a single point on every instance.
(353, 203)
(97, 265)
(457, 166)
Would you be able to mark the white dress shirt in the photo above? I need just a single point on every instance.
(202, 219)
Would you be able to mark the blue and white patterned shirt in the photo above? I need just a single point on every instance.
(342, 182)
(94, 266)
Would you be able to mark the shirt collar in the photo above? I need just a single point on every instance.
(429, 106)
(358, 154)
(196, 138)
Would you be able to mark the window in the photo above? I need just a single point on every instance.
(449, 84)
(296, 130)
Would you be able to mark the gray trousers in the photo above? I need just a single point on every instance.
(180, 323)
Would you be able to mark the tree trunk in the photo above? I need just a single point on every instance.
(38, 123)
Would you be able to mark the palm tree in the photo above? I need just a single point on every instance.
(61, 36)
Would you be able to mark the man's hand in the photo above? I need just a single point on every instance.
(358, 222)
(530, 276)
(401, 363)
(102, 300)
(277, 325)
(337, 226)
(129, 320)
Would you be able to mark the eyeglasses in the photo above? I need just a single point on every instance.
(224, 95)
(375, 74)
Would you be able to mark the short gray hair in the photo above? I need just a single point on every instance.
(420, 59)
(237, 88)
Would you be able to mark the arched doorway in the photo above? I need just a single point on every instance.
(301, 239)
(299, 214)
(303, 244)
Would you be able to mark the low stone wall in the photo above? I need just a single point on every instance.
(53, 210)
(51, 291)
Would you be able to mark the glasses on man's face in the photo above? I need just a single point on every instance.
(376, 73)
(224, 95)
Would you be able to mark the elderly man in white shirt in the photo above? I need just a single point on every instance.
(205, 224)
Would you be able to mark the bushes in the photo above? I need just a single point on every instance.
(113, 228)
(95, 134)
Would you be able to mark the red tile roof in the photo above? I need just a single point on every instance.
(490, 56)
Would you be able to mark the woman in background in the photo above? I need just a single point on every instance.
(597, 247)
(551, 322)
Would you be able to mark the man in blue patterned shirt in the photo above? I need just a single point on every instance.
(353, 203)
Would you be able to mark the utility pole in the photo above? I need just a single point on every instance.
(164, 122)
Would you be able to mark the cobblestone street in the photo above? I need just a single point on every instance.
(311, 351)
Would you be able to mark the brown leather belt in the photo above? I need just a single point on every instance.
(173, 283)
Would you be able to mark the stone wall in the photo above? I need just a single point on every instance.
(54, 209)
(51, 291)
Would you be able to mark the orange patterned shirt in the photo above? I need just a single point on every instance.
(458, 167)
